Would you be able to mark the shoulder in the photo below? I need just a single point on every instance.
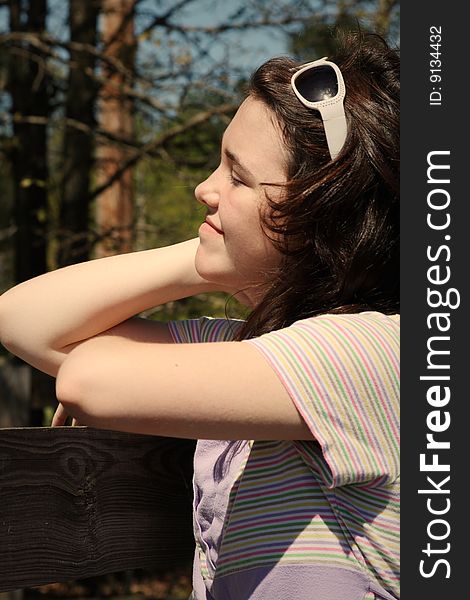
(330, 336)
(342, 373)
(367, 320)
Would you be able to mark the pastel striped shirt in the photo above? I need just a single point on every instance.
(307, 519)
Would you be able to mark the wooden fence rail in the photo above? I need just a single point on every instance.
(78, 502)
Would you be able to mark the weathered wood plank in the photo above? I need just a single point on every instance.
(77, 502)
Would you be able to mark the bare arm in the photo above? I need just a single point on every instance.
(117, 371)
(42, 319)
(220, 390)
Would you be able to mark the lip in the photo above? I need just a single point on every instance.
(209, 222)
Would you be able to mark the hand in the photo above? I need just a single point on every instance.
(60, 417)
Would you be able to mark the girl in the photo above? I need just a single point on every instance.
(296, 409)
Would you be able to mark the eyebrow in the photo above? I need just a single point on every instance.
(236, 161)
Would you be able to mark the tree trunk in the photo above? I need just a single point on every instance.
(27, 84)
(114, 207)
(78, 144)
(28, 87)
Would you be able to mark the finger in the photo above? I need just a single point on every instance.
(60, 416)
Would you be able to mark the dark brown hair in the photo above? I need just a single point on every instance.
(337, 222)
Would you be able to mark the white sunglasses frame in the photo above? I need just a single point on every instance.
(331, 110)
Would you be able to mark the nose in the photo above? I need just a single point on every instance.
(206, 192)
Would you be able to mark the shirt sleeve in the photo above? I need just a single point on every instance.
(342, 373)
(204, 329)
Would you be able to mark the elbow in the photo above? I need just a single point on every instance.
(9, 337)
(20, 335)
(73, 389)
(85, 383)
(12, 317)
(82, 384)
(6, 319)
(66, 387)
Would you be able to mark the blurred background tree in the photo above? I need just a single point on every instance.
(111, 112)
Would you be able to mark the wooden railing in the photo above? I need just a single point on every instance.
(78, 502)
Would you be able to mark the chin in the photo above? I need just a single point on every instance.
(213, 269)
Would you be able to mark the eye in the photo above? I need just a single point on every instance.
(235, 182)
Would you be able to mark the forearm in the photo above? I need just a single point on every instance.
(41, 316)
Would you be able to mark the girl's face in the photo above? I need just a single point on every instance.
(233, 250)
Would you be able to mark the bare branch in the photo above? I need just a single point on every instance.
(229, 26)
(77, 125)
(45, 42)
(161, 140)
(163, 19)
(125, 89)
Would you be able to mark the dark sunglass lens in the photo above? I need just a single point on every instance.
(318, 83)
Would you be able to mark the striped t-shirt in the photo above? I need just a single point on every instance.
(307, 519)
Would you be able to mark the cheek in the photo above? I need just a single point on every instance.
(245, 239)
(252, 252)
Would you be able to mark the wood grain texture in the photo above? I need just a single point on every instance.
(77, 502)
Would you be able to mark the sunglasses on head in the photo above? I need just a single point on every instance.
(320, 85)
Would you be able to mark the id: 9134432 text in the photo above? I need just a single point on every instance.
(435, 65)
